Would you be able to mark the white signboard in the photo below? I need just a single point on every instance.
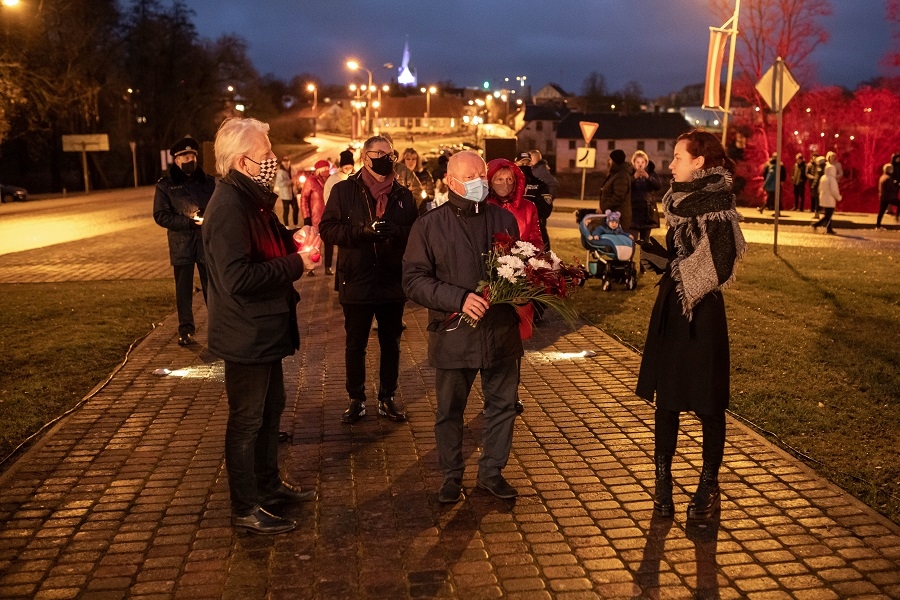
(585, 158)
(93, 142)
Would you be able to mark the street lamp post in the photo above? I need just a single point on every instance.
(355, 66)
(428, 92)
(315, 118)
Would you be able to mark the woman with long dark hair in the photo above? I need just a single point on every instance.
(686, 364)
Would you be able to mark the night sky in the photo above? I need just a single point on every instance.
(661, 44)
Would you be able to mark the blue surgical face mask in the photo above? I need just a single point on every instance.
(476, 190)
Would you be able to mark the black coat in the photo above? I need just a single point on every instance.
(179, 197)
(444, 261)
(615, 195)
(252, 262)
(686, 364)
(367, 272)
(644, 214)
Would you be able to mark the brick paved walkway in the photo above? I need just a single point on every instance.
(127, 497)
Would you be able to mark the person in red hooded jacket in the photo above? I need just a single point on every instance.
(312, 202)
(506, 184)
(506, 189)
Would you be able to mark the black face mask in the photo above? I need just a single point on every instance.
(189, 167)
(383, 165)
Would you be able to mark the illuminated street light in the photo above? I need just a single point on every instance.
(428, 92)
(315, 92)
(355, 66)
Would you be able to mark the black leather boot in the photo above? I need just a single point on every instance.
(388, 408)
(707, 500)
(354, 412)
(662, 500)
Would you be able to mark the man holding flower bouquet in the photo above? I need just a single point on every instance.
(443, 266)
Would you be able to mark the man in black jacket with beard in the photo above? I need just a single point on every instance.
(181, 197)
(368, 217)
(444, 260)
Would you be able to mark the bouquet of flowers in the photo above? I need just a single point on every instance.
(517, 273)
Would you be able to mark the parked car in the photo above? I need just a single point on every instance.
(13, 193)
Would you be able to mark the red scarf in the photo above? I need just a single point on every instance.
(378, 189)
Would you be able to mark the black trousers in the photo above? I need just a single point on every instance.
(826, 219)
(255, 403)
(287, 207)
(666, 438)
(327, 254)
(357, 325)
(799, 196)
(184, 294)
(883, 209)
(500, 385)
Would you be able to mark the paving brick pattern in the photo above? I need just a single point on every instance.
(128, 496)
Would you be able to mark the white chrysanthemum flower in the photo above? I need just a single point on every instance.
(556, 261)
(507, 272)
(513, 261)
(524, 249)
(537, 263)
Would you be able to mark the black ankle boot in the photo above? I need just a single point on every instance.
(662, 500)
(707, 500)
(388, 408)
(354, 412)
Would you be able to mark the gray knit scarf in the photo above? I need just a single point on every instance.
(708, 238)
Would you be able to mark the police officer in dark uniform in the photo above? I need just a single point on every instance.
(181, 197)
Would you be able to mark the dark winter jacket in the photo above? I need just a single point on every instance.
(252, 262)
(538, 192)
(615, 194)
(367, 272)
(643, 203)
(444, 261)
(542, 172)
(179, 197)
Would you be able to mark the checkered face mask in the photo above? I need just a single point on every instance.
(267, 170)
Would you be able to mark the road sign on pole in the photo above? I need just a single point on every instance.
(588, 129)
(777, 87)
(94, 142)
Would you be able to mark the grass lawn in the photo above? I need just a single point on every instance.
(814, 354)
(61, 339)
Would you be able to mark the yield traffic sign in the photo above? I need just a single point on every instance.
(588, 129)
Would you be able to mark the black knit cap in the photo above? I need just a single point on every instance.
(346, 158)
(617, 156)
(185, 145)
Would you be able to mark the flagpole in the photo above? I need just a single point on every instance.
(734, 32)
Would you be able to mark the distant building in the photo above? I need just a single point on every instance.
(414, 115)
(654, 133)
(551, 94)
(535, 126)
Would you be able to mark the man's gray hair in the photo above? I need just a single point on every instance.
(233, 140)
(374, 140)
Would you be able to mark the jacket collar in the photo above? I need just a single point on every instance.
(262, 197)
(463, 207)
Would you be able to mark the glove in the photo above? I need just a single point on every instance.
(654, 257)
(308, 221)
(387, 229)
(368, 234)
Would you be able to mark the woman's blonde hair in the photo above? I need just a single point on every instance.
(640, 154)
(233, 140)
(413, 152)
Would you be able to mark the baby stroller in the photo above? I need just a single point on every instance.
(609, 256)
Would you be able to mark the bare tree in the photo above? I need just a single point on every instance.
(892, 59)
(791, 29)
